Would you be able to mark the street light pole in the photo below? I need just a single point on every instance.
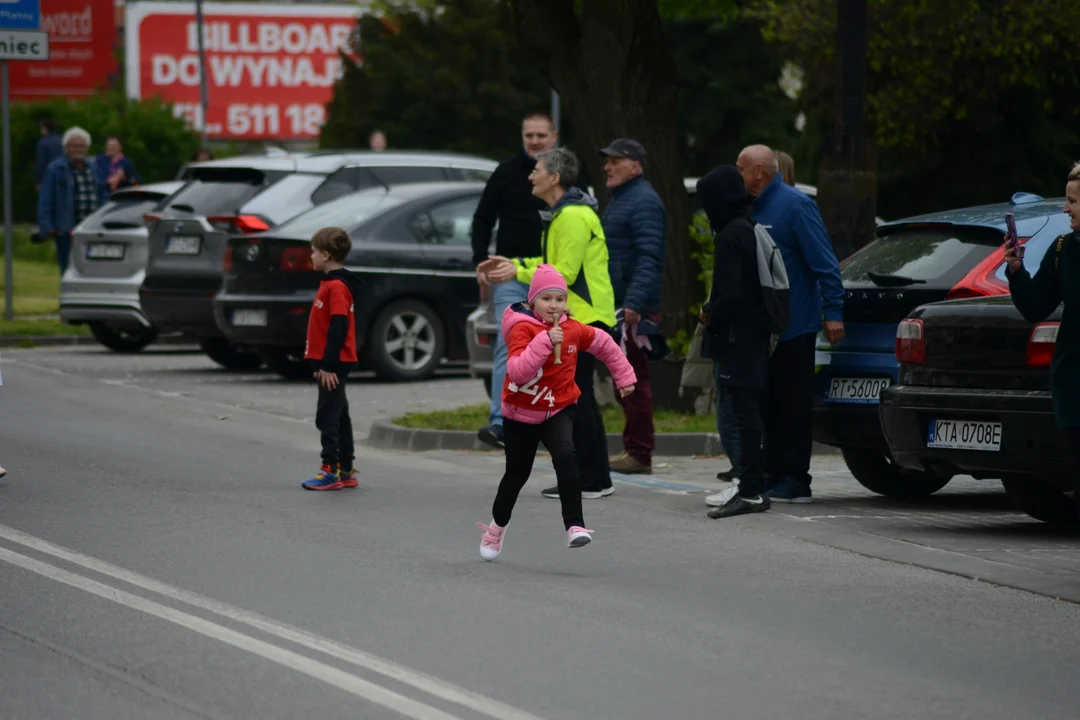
(847, 183)
(202, 67)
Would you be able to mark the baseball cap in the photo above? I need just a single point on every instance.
(624, 147)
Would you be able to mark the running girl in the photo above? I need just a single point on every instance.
(539, 401)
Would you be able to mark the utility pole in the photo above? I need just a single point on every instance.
(847, 184)
(203, 99)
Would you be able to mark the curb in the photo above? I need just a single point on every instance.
(387, 436)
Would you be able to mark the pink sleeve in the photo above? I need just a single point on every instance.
(522, 367)
(605, 348)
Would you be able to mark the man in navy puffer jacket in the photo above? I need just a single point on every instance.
(635, 225)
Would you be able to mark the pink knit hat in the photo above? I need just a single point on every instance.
(546, 278)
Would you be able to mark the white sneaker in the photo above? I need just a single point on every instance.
(491, 541)
(578, 536)
(722, 498)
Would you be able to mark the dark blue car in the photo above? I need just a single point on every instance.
(919, 260)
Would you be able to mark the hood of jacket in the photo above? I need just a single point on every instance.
(521, 313)
(575, 196)
(351, 280)
(723, 196)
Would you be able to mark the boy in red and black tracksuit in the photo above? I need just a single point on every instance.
(331, 347)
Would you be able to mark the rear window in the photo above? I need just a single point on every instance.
(122, 214)
(346, 212)
(922, 255)
(220, 191)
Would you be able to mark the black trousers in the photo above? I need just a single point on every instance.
(590, 438)
(747, 406)
(333, 421)
(789, 418)
(522, 441)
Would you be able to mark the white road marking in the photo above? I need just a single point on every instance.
(286, 658)
(407, 676)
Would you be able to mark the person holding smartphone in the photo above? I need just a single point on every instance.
(1056, 281)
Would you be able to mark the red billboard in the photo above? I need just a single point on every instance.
(270, 68)
(82, 51)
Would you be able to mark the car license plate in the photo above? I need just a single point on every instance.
(249, 318)
(858, 391)
(183, 245)
(964, 435)
(105, 251)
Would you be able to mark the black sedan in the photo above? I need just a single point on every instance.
(412, 250)
(974, 398)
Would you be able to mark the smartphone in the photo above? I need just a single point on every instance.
(1011, 234)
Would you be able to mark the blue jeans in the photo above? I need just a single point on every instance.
(726, 425)
(504, 296)
(63, 251)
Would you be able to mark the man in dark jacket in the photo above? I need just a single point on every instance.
(508, 199)
(635, 225)
(737, 337)
(71, 189)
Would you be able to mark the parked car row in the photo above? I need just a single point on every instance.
(223, 256)
(938, 374)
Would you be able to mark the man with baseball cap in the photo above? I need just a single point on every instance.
(635, 225)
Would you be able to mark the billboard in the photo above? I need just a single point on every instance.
(270, 68)
(82, 51)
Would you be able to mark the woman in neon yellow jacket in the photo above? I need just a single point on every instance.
(573, 242)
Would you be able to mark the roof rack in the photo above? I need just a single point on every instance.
(1025, 198)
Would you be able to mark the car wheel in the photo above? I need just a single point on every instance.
(121, 340)
(1040, 499)
(876, 472)
(407, 341)
(289, 364)
(228, 356)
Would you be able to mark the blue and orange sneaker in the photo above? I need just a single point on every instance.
(348, 479)
(327, 479)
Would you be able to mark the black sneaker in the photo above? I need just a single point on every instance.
(740, 505)
(726, 475)
(553, 493)
(492, 435)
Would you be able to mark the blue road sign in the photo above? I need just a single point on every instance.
(20, 14)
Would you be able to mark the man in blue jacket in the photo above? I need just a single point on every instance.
(71, 189)
(635, 225)
(795, 223)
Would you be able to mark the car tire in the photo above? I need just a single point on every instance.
(228, 356)
(289, 364)
(876, 472)
(407, 341)
(1041, 500)
(120, 340)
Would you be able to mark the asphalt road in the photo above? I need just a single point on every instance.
(158, 560)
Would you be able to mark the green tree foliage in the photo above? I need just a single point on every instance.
(971, 100)
(157, 143)
(447, 75)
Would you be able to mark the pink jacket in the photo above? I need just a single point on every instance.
(536, 388)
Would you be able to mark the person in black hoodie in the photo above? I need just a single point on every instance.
(331, 348)
(737, 337)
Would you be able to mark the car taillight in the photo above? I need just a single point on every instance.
(226, 261)
(983, 281)
(152, 219)
(246, 224)
(296, 259)
(1041, 343)
(910, 342)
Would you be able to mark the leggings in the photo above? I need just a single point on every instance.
(522, 441)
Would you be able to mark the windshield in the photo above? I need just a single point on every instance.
(345, 212)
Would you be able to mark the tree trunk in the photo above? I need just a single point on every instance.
(616, 78)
